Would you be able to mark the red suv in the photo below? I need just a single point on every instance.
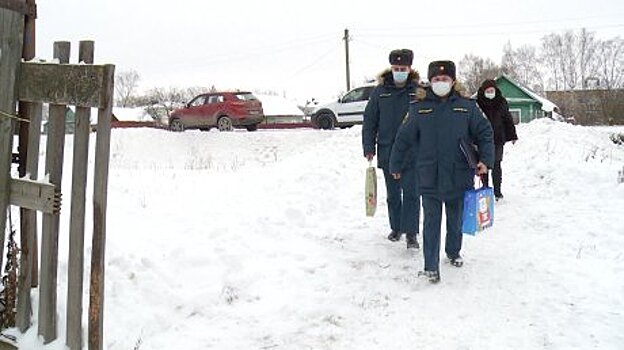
(224, 110)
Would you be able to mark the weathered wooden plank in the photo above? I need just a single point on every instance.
(29, 138)
(34, 195)
(23, 7)
(50, 230)
(28, 253)
(28, 218)
(34, 138)
(100, 196)
(11, 32)
(70, 84)
(28, 53)
(77, 221)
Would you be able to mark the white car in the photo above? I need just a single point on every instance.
(346, 112)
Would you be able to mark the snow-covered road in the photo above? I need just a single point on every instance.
(259, 241)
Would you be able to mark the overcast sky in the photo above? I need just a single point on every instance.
(295, 47)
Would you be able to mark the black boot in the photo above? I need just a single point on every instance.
(394, 236)
(412, 242)
(432, 276)
(497, 179)
(457, 262)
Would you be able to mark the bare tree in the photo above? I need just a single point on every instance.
(474, 70)
(162, 101)
(559, 55)
(587, 46)
(610, 57)
(551, 59)
(570, 59)
(126, 83)
(522, 65)
(267, 92)
(193, 91)
(508, 62)
(569, 56)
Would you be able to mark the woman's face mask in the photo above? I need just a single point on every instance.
(489, 93)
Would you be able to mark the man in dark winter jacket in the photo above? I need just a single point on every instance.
(386, 108)
(495, 107)
(434, 129)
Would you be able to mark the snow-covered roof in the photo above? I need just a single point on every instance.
(547, 105)
(131, 114)
(277, 105)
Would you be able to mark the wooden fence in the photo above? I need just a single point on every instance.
(85, 86)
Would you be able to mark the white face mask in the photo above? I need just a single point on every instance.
(490, 95)
(441, 88)
(400, 77)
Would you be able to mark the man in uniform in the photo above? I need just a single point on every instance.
(386, 108)
(437, 123)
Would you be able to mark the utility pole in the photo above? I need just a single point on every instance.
(346, 40)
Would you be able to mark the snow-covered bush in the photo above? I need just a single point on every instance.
(617, 138)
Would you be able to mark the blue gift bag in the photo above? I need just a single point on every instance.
(478, 210)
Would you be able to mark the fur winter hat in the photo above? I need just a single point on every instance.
(441, 68)
(401, 57)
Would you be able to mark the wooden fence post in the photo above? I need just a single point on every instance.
(77, 220)
(11, 36)
(49, 241)
(100, 195)
(28, 253)
(35, 125)
(29, 138)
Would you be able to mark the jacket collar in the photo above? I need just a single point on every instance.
(385, 78)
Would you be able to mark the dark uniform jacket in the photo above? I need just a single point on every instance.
(434, 129)
(497, 112)
(387, 107)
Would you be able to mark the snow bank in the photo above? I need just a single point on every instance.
(131, 114)
(258, 240)
(276, 105)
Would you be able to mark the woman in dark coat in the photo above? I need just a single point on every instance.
(494, 105)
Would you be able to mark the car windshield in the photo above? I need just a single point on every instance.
(247, 96)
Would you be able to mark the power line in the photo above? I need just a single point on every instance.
(248, 55)
(315, 61)
(470, 34)
(494, 24)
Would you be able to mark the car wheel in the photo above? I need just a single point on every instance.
(176, 125)
(252, 127)
(325, 121)
(225, 124)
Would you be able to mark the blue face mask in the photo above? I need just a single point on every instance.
(399, 77)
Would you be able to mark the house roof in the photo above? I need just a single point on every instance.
(547, 105)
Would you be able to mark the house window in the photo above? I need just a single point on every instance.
(516, 115)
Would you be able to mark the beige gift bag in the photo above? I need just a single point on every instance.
(370, 190)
